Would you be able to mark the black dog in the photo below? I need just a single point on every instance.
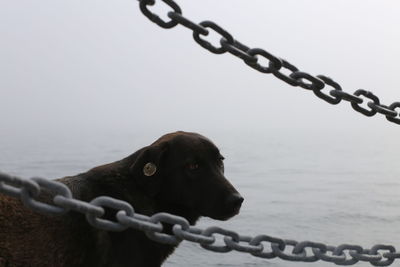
(181, 173)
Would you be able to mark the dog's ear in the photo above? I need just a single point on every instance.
(148, 167)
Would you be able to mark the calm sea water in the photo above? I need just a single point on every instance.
(326, 188)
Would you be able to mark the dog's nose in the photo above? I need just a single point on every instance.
(235, 201)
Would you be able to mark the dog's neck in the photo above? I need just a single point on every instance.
(103, 176)
(179, 210)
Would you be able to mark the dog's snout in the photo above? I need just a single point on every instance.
(234, 201)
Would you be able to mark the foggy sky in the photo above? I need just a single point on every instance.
(101, 65)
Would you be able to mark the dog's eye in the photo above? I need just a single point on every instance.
(221, 163)
(221, 166)
(192, 166)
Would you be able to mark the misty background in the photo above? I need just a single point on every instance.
(89, 66)
(83, 83)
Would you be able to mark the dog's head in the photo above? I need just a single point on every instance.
(186, 170)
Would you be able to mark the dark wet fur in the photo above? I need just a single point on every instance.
(30, 239)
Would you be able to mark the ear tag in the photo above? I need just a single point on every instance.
(149, 169)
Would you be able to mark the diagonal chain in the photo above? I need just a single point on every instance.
(275, 66)
(262, 246)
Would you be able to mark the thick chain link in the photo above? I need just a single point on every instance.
(262, 246)
(276, 65)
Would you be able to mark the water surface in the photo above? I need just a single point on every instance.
(326, 188)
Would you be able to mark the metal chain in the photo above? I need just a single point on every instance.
(276, 65)
(262, 246)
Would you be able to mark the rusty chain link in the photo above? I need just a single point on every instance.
(276, 65)
(262, 246)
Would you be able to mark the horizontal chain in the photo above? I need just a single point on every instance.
(275, 65)
(262, 246)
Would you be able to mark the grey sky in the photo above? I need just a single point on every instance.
(96, 64)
